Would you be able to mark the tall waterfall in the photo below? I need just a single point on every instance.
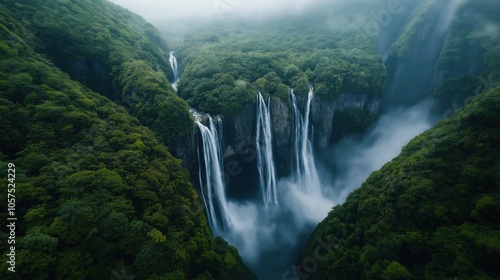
(265, 160)
(304, 166)
(173, 65)
(211, 176)
(263, 228)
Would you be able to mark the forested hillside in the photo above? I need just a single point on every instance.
(97, 193)
(89, 119)
(470, 61)
(224, 66)
(111, 51)
(346, 48)
(431, 213)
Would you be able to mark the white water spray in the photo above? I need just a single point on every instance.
(257, 230)
(265, 160)
(173, 65)
(304, 165)
(212, 183)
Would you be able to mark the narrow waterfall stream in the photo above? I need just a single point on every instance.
(211, 176)
(304, 163)
(173, 64)
(265, 159)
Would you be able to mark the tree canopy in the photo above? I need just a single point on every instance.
(431, 213)
(98, 194)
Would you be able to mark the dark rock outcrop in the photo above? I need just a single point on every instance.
(323, 114)
(239, 133)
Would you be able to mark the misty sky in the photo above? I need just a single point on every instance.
(157, 10)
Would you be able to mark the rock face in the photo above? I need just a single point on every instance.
(239, 131)
(92, 73)
(281, 122)
(239, 134)
(323, 114)
(87, 68)
(186, 150)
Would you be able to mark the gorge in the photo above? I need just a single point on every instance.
(273, 146)
(301, 139)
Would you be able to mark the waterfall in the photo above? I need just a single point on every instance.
(173, 65)
(304, 165)
(265, 160)
(212, 183)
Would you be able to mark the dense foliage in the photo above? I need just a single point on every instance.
(111, 51)
(97, 195)
(225, 66)
(470, 61)
(431, 213)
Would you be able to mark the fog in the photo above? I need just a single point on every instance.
(269, 238)
(354, 161)
(159, 10)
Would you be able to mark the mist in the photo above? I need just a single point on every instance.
(269, 238)
(158, 10)
(354, 160)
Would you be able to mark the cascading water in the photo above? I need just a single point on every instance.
(265, 160)
(173, 65)
(304, 164)
(265, 236)
(212, 183)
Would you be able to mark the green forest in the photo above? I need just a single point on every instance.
(107, 49)
(97, 191)
(431, 213)
(224, 67)
(91, 125)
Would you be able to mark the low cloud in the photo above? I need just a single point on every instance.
(355, 161)
(268, 237)
(159, 10)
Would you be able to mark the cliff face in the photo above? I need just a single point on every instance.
(397, 205)
(412, 59)
(186, 150)
(281, 121)
(323, 115)
(239, 133)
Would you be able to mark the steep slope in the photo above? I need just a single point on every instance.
(431, 213)
(445, 48)
(97, 196)
(224, 66)
(111, 51)
(412, 59)
(469, 63)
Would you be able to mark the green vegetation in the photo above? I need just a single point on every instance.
(87, 113)
(111, 51)
(352, 121)
(97, 195)
(470, 61)
(224, 66)
(431, 213)
(428, 10)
